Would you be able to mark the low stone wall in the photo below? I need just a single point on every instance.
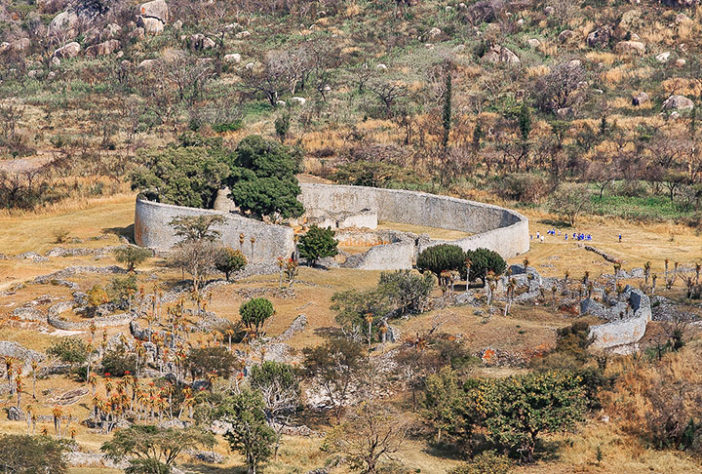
(627, 331)
(494, 228)
(107, 321)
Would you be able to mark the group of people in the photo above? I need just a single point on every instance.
(579, 236)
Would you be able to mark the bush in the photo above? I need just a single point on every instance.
(229, 261)
(255, 312)
(406, 292)
(484, 261)
(204, 360)
(120, 290)
(70, 350)
(23, 454)
(117, 362)
(317, 243)
(522, 187)
(132, 256)
(441, 258)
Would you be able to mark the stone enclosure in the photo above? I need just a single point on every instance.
(338, 206)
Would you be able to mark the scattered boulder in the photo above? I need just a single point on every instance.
(566, 35)
(600, 37)
(147, 64)
(242, 35)
(663, 57)
(640, 99)
(533, 43)
(434, 33)
(381, 67)
(151, 26)
(70, 50)
(680, 62)
(298, 100)
(629, 47)
(486, 11)
(103, 49)
(232, 58)
(199, 42)
(20, 45)
(15, 414)
(500, 54)
(678, 102)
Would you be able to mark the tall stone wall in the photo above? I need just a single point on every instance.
(495, 228)
(152, 229)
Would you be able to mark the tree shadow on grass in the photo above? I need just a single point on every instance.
(555, 223)
(126, 232)
(204, 469)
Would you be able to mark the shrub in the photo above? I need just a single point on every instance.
(118, 362)
(484, 261)
(317, 243)
(229, 261)
(406, 292)
(204, 360)
(132, 256)
(70, 350)
(255, 312)
(441, 258)
(29, 454)
(120, 290)
(522, 187)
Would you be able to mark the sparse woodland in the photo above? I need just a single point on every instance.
(582, 115)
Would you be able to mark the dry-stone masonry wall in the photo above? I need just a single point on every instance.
(495, 228)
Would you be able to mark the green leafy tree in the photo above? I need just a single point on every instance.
(441, 258)
(335, 365)
(317, 243)
(262, 179)
(197, 228)
(229, 261)
(282, 126)
(153, 450)
(21, 454)
(483, 261)
(454, 410)
(279, 386)
(196, 252)
(255, 312)
(70, 350)
(521, 409)
(203, 360)
(249, 433)
(132, 256)
(182, 175)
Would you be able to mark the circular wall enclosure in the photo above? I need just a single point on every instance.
(492, 227)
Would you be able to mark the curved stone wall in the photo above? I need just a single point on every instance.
(495, 228)
(617, 334)
(152, 230)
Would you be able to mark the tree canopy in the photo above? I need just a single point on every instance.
(262, 178)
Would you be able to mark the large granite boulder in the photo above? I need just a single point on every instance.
(67, 51)
(157, 9)
(678, 102)
(104, 48)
